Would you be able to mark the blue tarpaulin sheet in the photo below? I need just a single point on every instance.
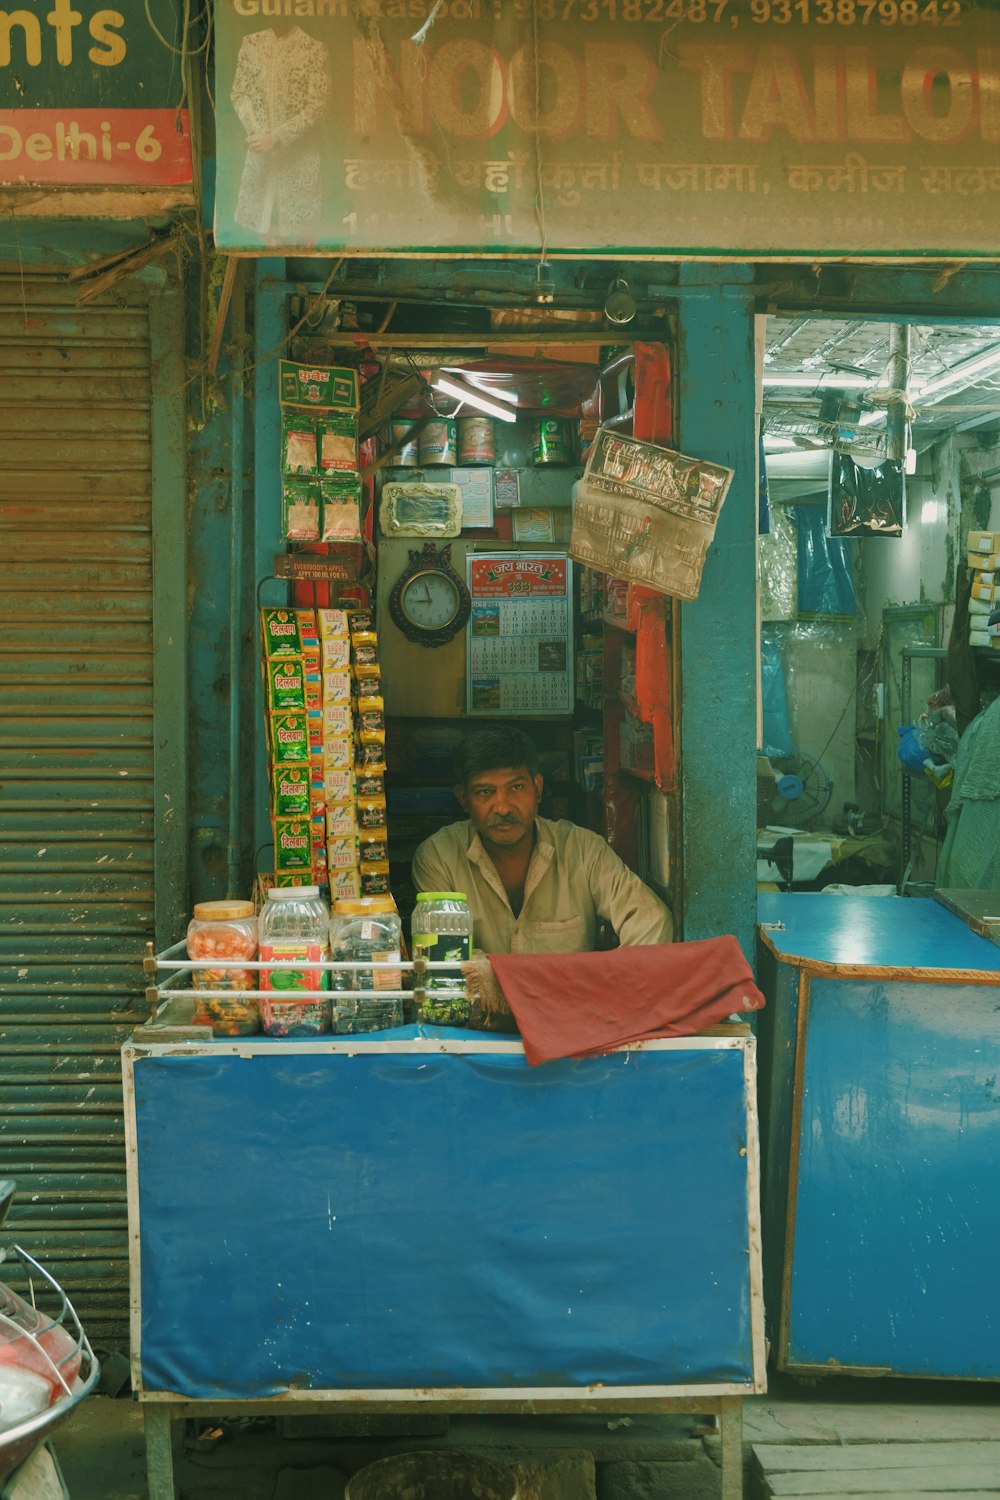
(390, 1220)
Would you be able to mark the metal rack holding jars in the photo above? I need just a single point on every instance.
(169, 999)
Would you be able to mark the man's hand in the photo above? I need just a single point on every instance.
(262, 140)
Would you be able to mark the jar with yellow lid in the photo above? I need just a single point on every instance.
(366, 929)
(227, 931)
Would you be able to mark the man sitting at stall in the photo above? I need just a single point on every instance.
(534, 886)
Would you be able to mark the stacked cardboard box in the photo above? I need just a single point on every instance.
(983, 554)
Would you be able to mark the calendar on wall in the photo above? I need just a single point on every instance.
(520, 634)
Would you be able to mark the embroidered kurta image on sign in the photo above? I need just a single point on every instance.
(281, 91)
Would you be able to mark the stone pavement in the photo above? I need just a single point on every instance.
(556, 1458)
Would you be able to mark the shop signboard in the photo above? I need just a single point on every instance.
(520, 634)
(653, 127)
(92, 96)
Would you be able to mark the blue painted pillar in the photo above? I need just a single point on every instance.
(719, 630)
(271, 328)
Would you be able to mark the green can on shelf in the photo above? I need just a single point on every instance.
(551, 441)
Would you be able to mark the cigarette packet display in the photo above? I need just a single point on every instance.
(368, 786)
(342, 853)
(337, 720)
(364, 653)
(307, 626)
(345, 885)
(372, 814)
(314, 692)
(301, 508)
(290, 738)
(341, 821)
(370, 758)
(374, 878)
(336, 686)
(291, 791)
(285, 683)
(338, 783)
(279, 630)
(338, 752)
(335, 652)
(332, 624)
(314, 725)
(292, 845)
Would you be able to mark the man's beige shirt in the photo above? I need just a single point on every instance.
(574, 879)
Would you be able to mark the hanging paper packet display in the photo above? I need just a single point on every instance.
(369, 729)
(320, 483)
(325, 725)
(304, 762)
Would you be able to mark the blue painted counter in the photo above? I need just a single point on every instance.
(423, 1218)
(880, 1110)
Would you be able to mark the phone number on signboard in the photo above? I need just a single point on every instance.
(756, 13)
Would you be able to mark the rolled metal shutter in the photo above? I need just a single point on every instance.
(76, 767)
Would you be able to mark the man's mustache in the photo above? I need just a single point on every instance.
(500, 822)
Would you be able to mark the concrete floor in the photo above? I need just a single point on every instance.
(586, 1458)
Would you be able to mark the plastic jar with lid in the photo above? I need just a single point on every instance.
(366, 928)
(224, 930)
(294, 929)
(441, 932)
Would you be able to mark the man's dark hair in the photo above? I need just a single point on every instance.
(494, 748)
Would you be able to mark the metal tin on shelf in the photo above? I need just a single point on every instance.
(408, 454)
(552, 442)
(477, 443)
(438, 442)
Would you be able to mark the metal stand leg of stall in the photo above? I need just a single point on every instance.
(907, 657)
(159, 1430)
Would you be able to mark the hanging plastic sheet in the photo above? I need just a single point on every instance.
(777, 736)
(763, 494)
(825, 566)
(866, 501)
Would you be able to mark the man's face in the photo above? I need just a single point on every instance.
(502, 805)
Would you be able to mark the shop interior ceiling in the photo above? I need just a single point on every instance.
(828, 379)
(828, 383)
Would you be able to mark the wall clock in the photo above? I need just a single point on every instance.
(429, 602)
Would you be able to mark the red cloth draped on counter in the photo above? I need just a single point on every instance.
(577, 1004)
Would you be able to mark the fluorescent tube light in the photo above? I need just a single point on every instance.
(826, 380)
(470, 377)
(961, 375)
(459, 391)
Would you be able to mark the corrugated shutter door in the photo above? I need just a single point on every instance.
(76, 768)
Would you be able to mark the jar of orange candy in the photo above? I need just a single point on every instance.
(224, 930)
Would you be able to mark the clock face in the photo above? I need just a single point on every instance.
(430, 600)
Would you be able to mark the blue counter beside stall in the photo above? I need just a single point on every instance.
(429, 1219)
(880, 1119)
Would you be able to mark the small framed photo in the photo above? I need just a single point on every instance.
(417, 509)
